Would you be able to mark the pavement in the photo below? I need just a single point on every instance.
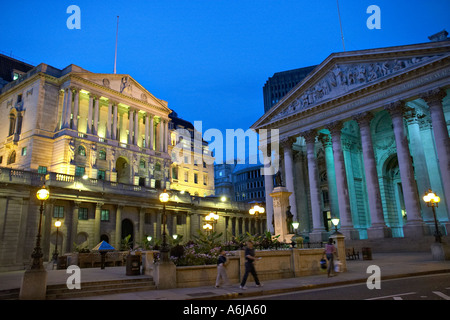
(392, 266)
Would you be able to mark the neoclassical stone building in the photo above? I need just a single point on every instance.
(102, 145)
(362, 138)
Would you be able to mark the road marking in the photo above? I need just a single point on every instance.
(442, 295)
(394, 296)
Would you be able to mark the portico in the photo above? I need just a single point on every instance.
(373, 126)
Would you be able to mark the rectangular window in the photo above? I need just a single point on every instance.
(1, 159)
(24, 151)
(104, 215)
(205, 179)
(82, 213)
(79, 171)
(58, 212)
(101, 174)
(195, 177)
(42, 170)
(186, 176)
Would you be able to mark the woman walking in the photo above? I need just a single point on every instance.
(330, 251)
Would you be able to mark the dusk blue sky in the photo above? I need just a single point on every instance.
(209, 58)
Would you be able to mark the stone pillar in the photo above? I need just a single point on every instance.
(130, 126)
(280, 197)
(331, 175)
(434, 100)
(141, 234)
(378, 228)
(414, 226)
(167, 137)
(420, 165)
(289, 174)
(90, 108)
(114, 129)
(67, 108)
(98, 209)
(108, 121)
(136, 127)
(96, 116)
(152, 133)
(318, 232)
(345, 214)
(147, 141)
(161, 135)
(118, 234)
(74, 230)
(76, 108)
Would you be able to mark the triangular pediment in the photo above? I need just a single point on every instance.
(344, 73)
(123, 84)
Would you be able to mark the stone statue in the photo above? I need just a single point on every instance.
(278, 180)
(289, 220)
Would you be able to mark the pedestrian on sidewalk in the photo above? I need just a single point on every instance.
(250, 259)
(221, 269)
(330, 251)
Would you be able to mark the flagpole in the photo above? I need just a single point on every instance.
(340, 24)
(115, 55)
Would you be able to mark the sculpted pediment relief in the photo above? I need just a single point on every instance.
(346, 77)
(124, 84)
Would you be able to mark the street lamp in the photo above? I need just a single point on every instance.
(432, 200)
(256, 210)
(211, 219)
(42, 195)
(335, 222)
(164, 198)
(55, 253)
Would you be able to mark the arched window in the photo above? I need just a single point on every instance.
(12, 124)
(11, 158)
(142, 164)
(82, 151)
(157, 166)
(102, 155)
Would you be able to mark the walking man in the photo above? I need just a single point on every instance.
(221, 270)
(249, 265)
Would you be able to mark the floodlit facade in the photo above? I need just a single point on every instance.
(362, 137)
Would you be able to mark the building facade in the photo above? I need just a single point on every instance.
(362, 138)
(102, 145)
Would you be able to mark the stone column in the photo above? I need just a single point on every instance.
(378, 228)
(114, 129)
(434, 100)
(118, 227)
(318, 232)
(345, 214)
(76, 108)
(268, 186)
(141, 224)
(98, 209)
(289, 174)
(74, 230)
(90, 108)
(161, 135)
(147, 142)
(67, 108)
(136, 127)
(420, 165)
(130, 126)
(414, 226)
(152, 133)
(167, 137)
(331, 175)
(108, 121)
(96, 116)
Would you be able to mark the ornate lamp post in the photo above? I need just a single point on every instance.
(256, 210)
(42, 195)
(211, 219)
(164, 198)
(335, 222)
(55, 253)
(432, 200)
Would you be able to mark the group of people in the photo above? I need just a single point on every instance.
(250, 259)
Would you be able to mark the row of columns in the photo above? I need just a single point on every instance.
(154, 126)
(378, 228)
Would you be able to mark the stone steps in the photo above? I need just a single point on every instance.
(60, 291)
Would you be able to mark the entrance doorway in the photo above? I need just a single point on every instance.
(127, 230)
